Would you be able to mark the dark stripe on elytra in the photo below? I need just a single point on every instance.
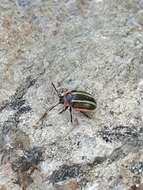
(81, 93)
(78, 96)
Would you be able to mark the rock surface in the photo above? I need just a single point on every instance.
(91, 45)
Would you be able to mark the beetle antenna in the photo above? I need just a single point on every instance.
(56, 89)
(53, 107)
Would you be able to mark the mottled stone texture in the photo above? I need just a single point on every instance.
(91, 45)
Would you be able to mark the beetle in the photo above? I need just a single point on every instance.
(77, 100)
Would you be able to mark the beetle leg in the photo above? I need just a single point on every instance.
(71, 114)
(41, 118)
(85, 114)
(63, 110)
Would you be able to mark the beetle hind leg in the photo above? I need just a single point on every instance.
(71, 114)
(86, 115)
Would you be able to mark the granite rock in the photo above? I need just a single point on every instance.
(91, 45)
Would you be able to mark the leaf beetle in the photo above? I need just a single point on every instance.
(77, 100)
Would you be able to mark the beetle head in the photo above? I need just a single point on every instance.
(61, 99)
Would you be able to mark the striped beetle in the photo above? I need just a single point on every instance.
(77, 100)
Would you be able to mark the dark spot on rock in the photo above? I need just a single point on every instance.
(83, 157)
(112, 112)
(78, 143)
(106, 139)
(136, 187)
(116, 155)
(65, 172)
(119, 133)
(23, 3)
(136, 179)
(30, 158)
(97, 160)
(10, 123)
(21, 164)
(3, 105)
(25, 165)
(83, 182)
(55, 32)
(22, 89)
(23, 180)
(24, 109)
(17, 103)
(136, 168)
(12, 139)
(17, 100)
(120, 92)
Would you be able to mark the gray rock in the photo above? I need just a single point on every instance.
(91, 45)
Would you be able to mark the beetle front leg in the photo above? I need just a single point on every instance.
(63, 110)
(71, 114)
(41, 118)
